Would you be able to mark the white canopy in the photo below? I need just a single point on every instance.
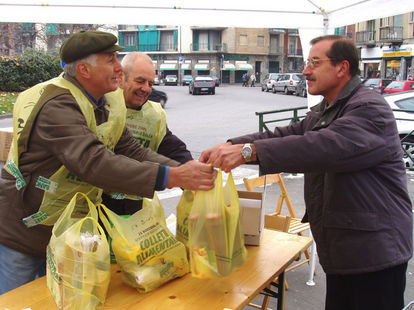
(305, 14)
(259, 13)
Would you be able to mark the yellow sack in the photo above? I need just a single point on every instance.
(77, 259)
(147, 252)
(216, 240)
(183, 211)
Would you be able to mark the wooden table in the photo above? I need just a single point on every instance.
(276, 251)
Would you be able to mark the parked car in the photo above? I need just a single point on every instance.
(302, 88)
(187, 79)
(399, 86)
(171, 80)
(405, 120)
(287, 82)
(269, 80)
(202, 84)
(216, 80)
(157, 80)
(158, 96)
(377, 84)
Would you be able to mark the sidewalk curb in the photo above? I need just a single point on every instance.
(6, 116)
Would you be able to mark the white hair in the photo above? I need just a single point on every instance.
(129, 59)
(70, 68)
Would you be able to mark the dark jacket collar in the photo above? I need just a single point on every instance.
(329, 113)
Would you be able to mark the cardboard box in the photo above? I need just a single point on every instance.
(252, 213)
(6, 138)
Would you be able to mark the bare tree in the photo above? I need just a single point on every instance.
(16, 37)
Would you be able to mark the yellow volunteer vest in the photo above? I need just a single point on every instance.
(62, 185)
(148, 125)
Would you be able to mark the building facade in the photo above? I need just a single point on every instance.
(387, 46)
(225, 52)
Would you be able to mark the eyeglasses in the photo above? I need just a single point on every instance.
(314, 61)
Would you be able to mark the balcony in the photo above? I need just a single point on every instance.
(275, 50)
(276, 30)
(151, 48)
(205, 47)
(393, 35)
(365, 38)
(295, 52)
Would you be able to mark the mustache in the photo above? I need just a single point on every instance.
(310, 78)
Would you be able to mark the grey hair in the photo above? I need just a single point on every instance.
(70, 68)
(129, 60)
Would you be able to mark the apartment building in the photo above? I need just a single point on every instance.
(225, 52)
(387, 46)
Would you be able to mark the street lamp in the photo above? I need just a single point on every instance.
(221, 68)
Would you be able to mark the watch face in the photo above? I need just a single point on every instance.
(246, 151)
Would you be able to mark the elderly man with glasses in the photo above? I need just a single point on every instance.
(356, 193)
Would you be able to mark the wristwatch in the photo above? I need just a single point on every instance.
(246, 152)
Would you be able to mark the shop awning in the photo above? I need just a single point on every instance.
(186, 67)
(244, 66)
(228, 67)
(168, 67)
(371, 61)
(201, 67)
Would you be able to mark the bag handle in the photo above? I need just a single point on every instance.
(71, 207)
(104, 218)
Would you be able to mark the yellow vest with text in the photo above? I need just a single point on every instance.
(148, 125)
(62, 185)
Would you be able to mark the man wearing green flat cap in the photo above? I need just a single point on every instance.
(70, 136)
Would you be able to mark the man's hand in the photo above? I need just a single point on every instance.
(192, 175)
(225, 156)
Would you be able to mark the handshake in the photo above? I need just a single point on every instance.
(200, 175)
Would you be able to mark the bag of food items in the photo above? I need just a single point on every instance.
(183, 211)
(145, 249)
(216, 241)
(77, 259)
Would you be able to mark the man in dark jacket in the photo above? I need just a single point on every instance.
(146, 120)
(356, 194)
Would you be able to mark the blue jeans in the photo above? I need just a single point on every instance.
(17, 268)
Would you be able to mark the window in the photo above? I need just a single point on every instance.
(243, 39)
(385, 22)
(167, 40)
(411, 18)
(292, 45)
(203, 41)
(260, 41)
(129, 39)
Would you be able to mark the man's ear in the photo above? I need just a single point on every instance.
(343, 68)
(83, 70)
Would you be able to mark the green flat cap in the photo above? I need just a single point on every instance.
(84, 43)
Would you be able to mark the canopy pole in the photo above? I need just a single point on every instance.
(325, 22)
